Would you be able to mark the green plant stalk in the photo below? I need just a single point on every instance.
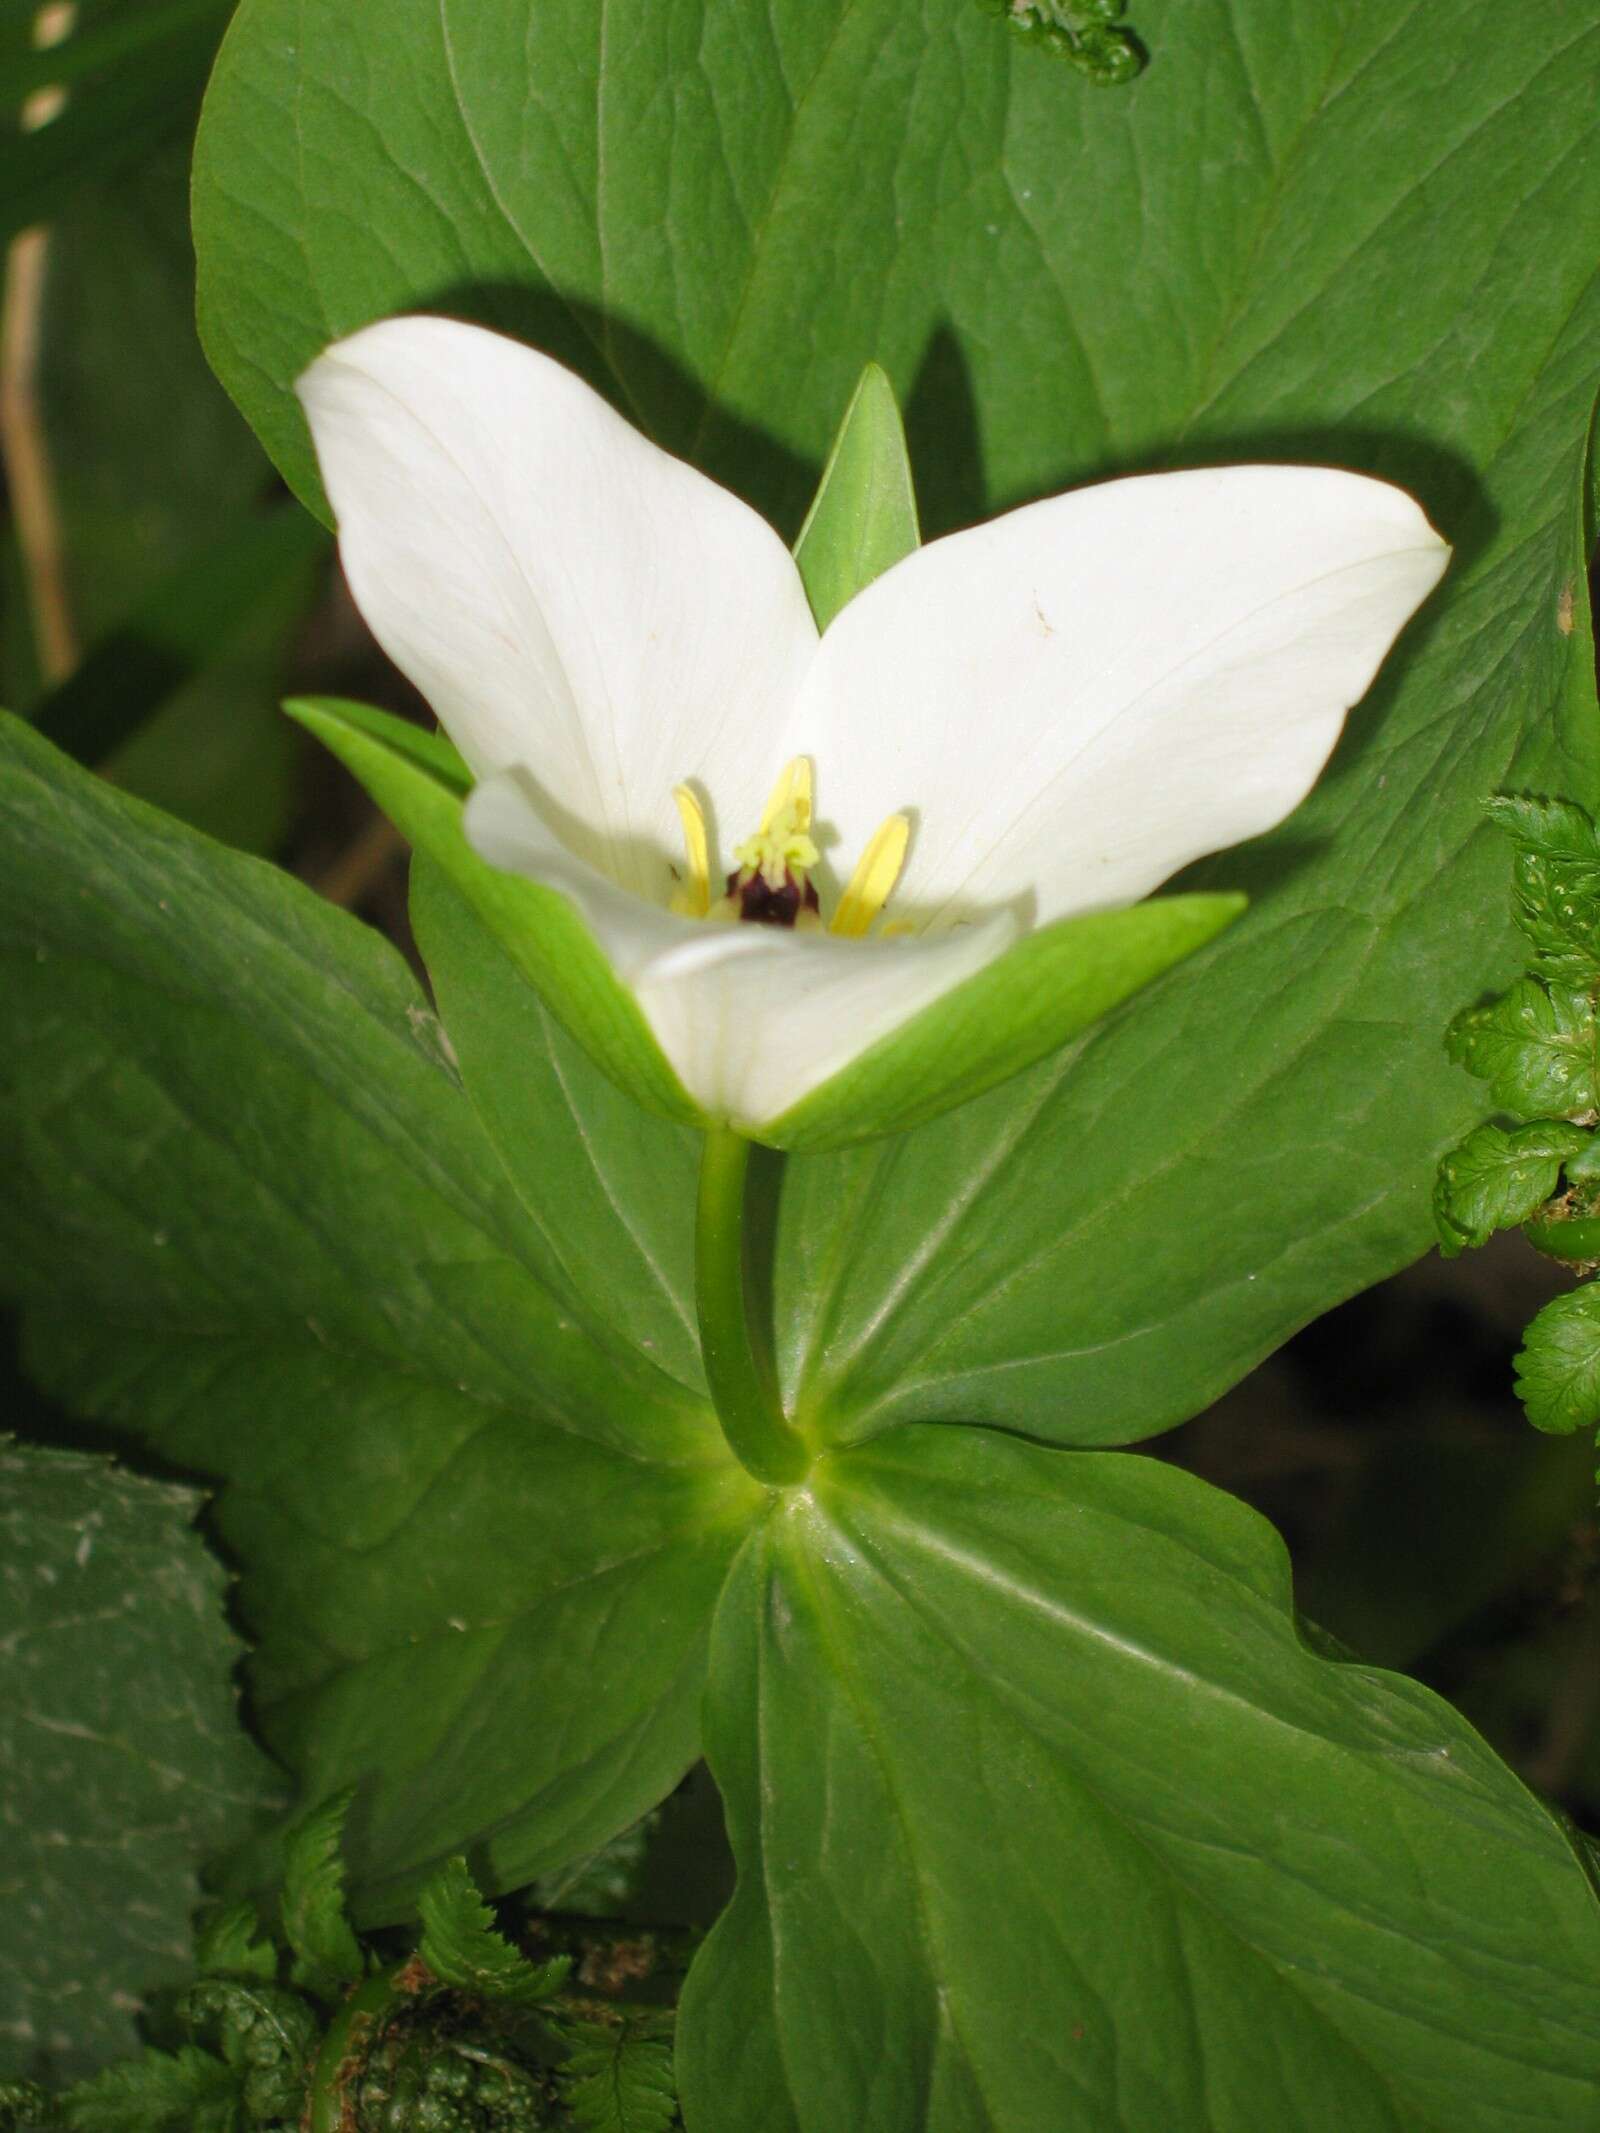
(739, 1370)
(348, 2041)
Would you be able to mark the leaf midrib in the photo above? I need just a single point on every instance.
(860, 1545)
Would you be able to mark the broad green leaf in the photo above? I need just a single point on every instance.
(1026, 1004)
(479, 1546)
(1047, 1817)
(461, 1947)
(609, 1190)
(1537, 1047)
(721, 221)
(864, 515)
(126, 1768)
(327, 1955)
(1496, 1179)
(1558, 1364)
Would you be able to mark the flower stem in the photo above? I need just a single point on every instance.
(351, 2035)
(739, 1370)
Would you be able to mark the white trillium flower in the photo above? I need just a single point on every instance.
(1042, 717)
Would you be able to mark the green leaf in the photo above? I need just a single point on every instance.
(1557, 880)
(461, 1947)
(619, 2080)
(608, 1189)
(1028, 1771)
(1101, 1247)
(366, 1353)
(160, 2092)
(327, 1955)
(1536, 1048)
(1496, 1179)
(864, 515)
(1051, 986)
(1558, 1364)
(229, 1943)
(125, 1767)
(538, 927)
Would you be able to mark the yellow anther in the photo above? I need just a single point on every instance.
(877, 871)
(693, 899)
(791, 796)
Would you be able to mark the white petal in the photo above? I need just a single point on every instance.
(1077, 699)
(752, 1018)
(563, 593)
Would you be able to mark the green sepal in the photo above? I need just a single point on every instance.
(419, 782)
(1050, 986)
(1558, 1364)
(461, 1947)
(864, 515)
(1536, 1047)
(1497, 1178)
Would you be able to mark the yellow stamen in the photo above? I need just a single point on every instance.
(791, 795)
(877, 871)
(693, 899)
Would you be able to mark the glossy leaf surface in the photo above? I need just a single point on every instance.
(480, 1550)
(1104, 1245)
(1046, 1816)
